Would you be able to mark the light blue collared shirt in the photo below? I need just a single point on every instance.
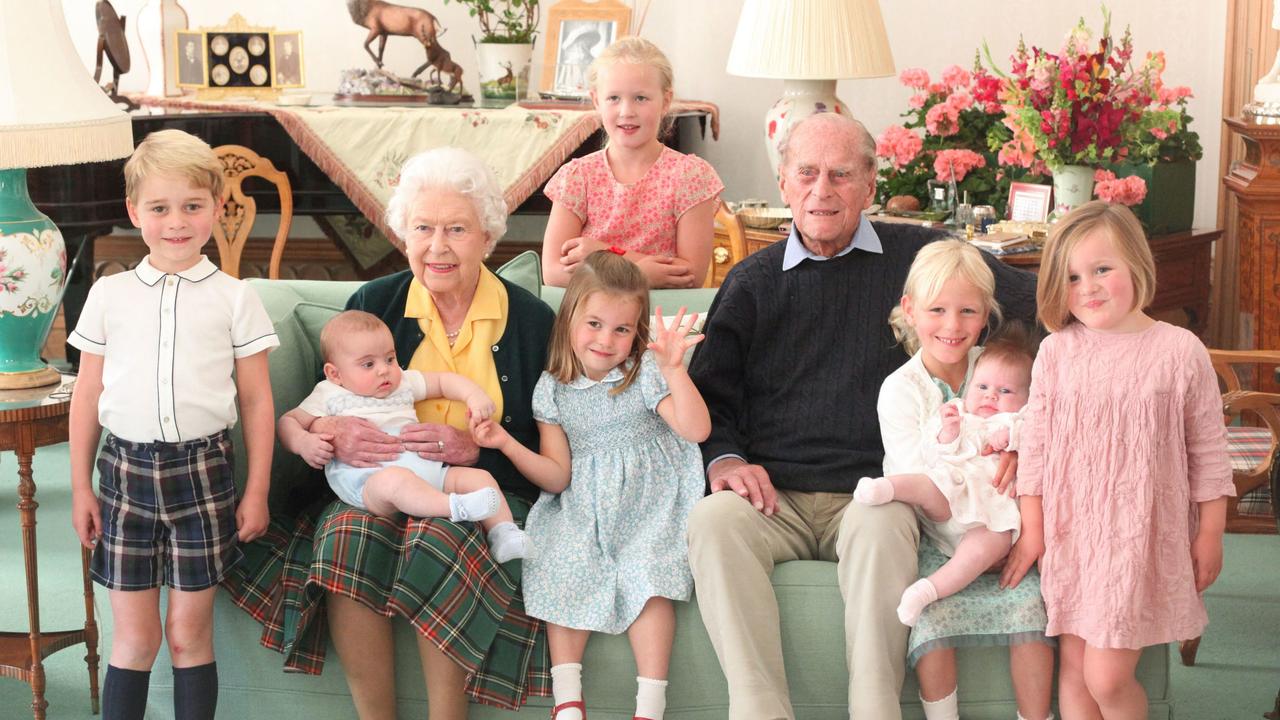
(864, 238)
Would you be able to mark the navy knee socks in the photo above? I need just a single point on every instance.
(124, 693)
(195, 692)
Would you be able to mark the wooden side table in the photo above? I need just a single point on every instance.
(30, 419)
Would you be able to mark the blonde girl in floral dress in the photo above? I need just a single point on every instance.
(636, 197)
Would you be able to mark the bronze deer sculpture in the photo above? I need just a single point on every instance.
(384, 19)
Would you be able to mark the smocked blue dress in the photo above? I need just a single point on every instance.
(616, 536)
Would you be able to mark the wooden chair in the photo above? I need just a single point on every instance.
(1253, 446)
(240, 210)
(731, 255)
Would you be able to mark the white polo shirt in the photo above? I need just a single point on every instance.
(169, 343)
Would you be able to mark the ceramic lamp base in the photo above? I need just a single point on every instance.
(32, 379)
(800, 99)
(33, 265)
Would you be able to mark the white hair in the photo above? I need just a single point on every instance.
(453, 169)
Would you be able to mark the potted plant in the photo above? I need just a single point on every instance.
(504, 49)
(1164, 155)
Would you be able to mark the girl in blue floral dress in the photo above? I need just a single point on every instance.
(619, 470)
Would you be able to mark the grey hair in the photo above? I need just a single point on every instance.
(863, 143)
(453, 169)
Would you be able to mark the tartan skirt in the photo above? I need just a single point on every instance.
(436, 574)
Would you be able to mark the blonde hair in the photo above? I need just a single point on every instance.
(174, 152)
(601, 272)
(935, 264)
(344, 324)
(635, 51)
(1053, 291)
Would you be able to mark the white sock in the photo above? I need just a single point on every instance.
(473, 506)
(948, 708)
(507, 542)
(873, 491)
(651, 698)
(566, 686)
(915, 599)
(1046, 717)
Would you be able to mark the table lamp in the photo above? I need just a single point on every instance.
(51, 113)
(808, 44)
(1266, 94)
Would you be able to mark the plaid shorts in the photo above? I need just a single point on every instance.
(168, 514)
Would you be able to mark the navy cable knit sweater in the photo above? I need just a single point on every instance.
(792, 362)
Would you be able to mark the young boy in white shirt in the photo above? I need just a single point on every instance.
(159, 345)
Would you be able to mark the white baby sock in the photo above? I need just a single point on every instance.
(873, 491)
(915, 599)
(948, 708)
(507, 542)
(651, 698)
(473, 506)
(1047, 717)
(566, 686)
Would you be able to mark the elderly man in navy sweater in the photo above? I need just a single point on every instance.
(797, 345)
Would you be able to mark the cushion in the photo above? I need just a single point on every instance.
(525, 271)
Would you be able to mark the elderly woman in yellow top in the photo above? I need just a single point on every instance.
(448, 313)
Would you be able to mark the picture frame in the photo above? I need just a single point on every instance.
(286, 60)
(1029, 202)
(190, 53)
(577, 32)
(238, 60)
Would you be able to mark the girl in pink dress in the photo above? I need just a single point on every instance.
(637, 197)
(1123, 473)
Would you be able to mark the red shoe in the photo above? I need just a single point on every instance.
(571, 704)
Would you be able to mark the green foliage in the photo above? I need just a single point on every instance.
(504, 21)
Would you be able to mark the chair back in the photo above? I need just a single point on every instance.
(239, 210)
(737, 250)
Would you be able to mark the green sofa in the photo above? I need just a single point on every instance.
(254, 686)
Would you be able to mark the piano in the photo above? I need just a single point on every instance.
(87, 201)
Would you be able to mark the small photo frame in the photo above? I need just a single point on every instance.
(1029, 203)
(577, 32)
(286, 59)
(191, 59)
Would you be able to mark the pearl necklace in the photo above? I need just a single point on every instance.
(452, 337)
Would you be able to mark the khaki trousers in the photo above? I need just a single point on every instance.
(733, 549)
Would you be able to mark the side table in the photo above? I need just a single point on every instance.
(30, 419)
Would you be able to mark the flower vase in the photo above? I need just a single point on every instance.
(1072, 187)
(157, 22)
(503, 71)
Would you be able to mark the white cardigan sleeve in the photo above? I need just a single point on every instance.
(908, 399)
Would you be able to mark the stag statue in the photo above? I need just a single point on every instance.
(384, 19)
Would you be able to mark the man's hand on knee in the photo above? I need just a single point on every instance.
(748, 481)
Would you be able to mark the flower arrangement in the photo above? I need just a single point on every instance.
(961, 119)
(504, 21)
(1131, 190)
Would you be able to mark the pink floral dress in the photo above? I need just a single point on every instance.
(1122, 436)
(640, 217)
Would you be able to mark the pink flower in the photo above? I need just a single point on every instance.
(942, 120)
(1169, 95)
(914, 78)
(937, 89)
(959, 161)
(1103, 175)
(955, 76)
(898, 145)
(1159, 134)
(917, 101)
(1129, 191)
(960, 100)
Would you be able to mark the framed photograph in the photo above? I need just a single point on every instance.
(577, 32)
(286, 58)
(1029, 203)
(191, 53)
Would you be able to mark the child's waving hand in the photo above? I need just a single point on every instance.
(670, 342)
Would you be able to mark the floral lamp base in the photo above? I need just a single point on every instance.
(800, 99)
(33, 263)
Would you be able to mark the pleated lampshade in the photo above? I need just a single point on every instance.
(810, 40)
